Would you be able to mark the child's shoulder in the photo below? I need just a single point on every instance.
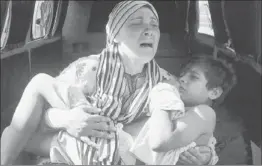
(204, 111)
(206, 115)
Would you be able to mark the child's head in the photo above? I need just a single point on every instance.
(205, 79)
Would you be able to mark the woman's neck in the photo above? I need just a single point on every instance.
(132, 66)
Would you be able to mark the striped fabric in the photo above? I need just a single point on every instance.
(108, 97)
(110, 78)
(121, 12)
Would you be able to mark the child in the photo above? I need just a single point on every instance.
(182, 116)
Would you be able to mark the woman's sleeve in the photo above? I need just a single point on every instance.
(166, 75)
(81, 72)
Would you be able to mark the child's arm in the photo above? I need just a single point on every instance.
(62, 97)
(166, 135)
(53, 91)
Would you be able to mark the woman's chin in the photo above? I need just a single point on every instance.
(146, 57)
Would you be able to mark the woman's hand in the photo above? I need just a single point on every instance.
(81, 124)
(195, 156)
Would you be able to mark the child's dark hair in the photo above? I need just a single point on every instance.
(218, 72)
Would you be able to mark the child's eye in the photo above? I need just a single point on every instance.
(193, 77)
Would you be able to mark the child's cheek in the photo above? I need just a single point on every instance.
(174, 81)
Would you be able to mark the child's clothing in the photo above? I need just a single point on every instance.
(165, 97)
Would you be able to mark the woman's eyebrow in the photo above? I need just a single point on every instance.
(140, 17)
(135, 18)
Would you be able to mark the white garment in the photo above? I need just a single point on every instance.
(164, 96)
(125, 143)
(144, 153)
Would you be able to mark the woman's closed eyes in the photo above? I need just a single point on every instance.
(140, 21)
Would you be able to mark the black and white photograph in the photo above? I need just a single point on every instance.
(131, 82)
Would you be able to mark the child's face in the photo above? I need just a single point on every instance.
(193, 86)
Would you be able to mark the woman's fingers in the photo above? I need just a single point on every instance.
(89, 142)
(183, 160)
(202, 153)
(98, 118)
(203, 149)
(90, 109)
(101, 134)
(196, 156)
(192, 159)
(103, 126)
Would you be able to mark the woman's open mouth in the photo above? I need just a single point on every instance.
(146, 45)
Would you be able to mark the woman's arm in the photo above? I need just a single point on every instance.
(166, 135)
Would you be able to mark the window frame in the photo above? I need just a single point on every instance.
(208, 17)
(7, 25)
(50, 23)
(58, 7)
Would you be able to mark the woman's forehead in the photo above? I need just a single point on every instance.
(143, 12)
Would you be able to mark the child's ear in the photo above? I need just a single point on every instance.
(215, 93)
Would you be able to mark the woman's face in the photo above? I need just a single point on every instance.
(139, 36)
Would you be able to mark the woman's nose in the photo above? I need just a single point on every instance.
(148, 31)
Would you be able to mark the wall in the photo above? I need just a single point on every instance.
(14, 77)
(75, 28)
(47, 59)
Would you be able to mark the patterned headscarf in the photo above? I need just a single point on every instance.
(121, 12)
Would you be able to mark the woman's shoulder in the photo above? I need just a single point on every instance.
(168, 77)
(88, 59)
(79, 66)
(91, 60)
